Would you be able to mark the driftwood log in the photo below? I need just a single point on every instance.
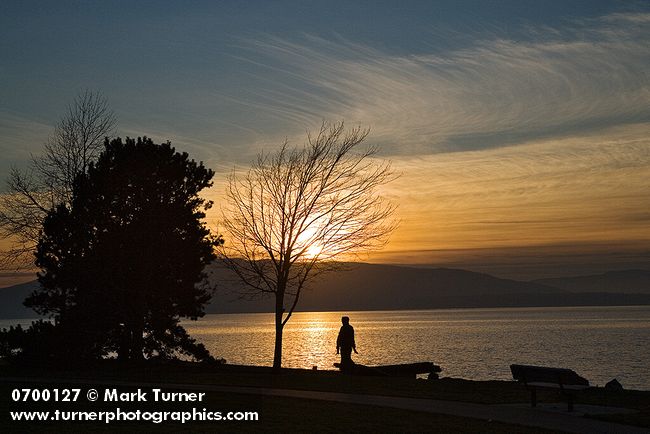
(402, 370)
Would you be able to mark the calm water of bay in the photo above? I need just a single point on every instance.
(600, 343)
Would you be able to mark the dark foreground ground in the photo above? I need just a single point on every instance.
(278, 414)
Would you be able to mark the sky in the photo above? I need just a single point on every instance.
(520, 129)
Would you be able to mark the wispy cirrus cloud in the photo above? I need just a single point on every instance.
(20, 135)
(589, 74)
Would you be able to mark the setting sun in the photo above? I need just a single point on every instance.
(313, 250)
(308, 241)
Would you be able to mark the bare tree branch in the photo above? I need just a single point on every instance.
(76, 141)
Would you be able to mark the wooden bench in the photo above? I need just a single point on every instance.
(534, 377)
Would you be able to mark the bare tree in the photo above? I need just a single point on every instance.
(76, 141)
(298, 212)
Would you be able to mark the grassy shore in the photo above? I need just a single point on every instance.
(304, 415)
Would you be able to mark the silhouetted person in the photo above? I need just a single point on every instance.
(345, 343)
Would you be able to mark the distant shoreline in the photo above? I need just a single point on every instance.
(495, 308)
(446, 309)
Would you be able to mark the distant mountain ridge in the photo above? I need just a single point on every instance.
(625, 281)
(11, 301)
(379, 287)
(388, 287)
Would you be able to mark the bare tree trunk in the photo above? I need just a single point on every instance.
(279, 311)
(277, 354)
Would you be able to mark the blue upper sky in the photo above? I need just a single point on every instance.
(175, 67)
(524, 124)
